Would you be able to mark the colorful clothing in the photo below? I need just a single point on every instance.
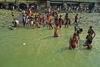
(60, 23)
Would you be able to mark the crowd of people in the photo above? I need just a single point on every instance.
(35, 20)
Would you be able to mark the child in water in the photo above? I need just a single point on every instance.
(56, 34)
(12, 14)
(33, 25)
(50, 24)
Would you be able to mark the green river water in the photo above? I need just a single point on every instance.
(43, 50)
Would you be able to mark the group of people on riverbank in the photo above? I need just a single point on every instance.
(36, 19)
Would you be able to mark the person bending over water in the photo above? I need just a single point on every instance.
(73, 41)
(56, 34)
(79, 32)
(89, 40)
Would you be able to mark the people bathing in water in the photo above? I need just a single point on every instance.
(88, 41)
(56, 33)
(73, 41)
(89, 38)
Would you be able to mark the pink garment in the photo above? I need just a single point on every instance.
(17, 22)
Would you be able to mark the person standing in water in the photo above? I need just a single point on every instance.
(24, 20)
(76, 17)
(67, 22)
(44, 23)
(91, 31)
(56, 33)
(66, 17)
(60, 21)
(73, 41)
(56, 19)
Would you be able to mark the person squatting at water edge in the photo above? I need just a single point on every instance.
(73, 41)
(88, 41)
(15, 23)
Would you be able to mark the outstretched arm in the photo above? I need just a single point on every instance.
(77, 43)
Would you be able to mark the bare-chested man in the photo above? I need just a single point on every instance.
(73, 41)
(91, 31)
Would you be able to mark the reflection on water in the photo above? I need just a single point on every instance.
(48, 37)
(63, 49)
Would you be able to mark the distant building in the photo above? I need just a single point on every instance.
(46, 3)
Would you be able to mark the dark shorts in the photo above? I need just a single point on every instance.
(12, 15)
(76, 21)
(87, 42)
(65, 23)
